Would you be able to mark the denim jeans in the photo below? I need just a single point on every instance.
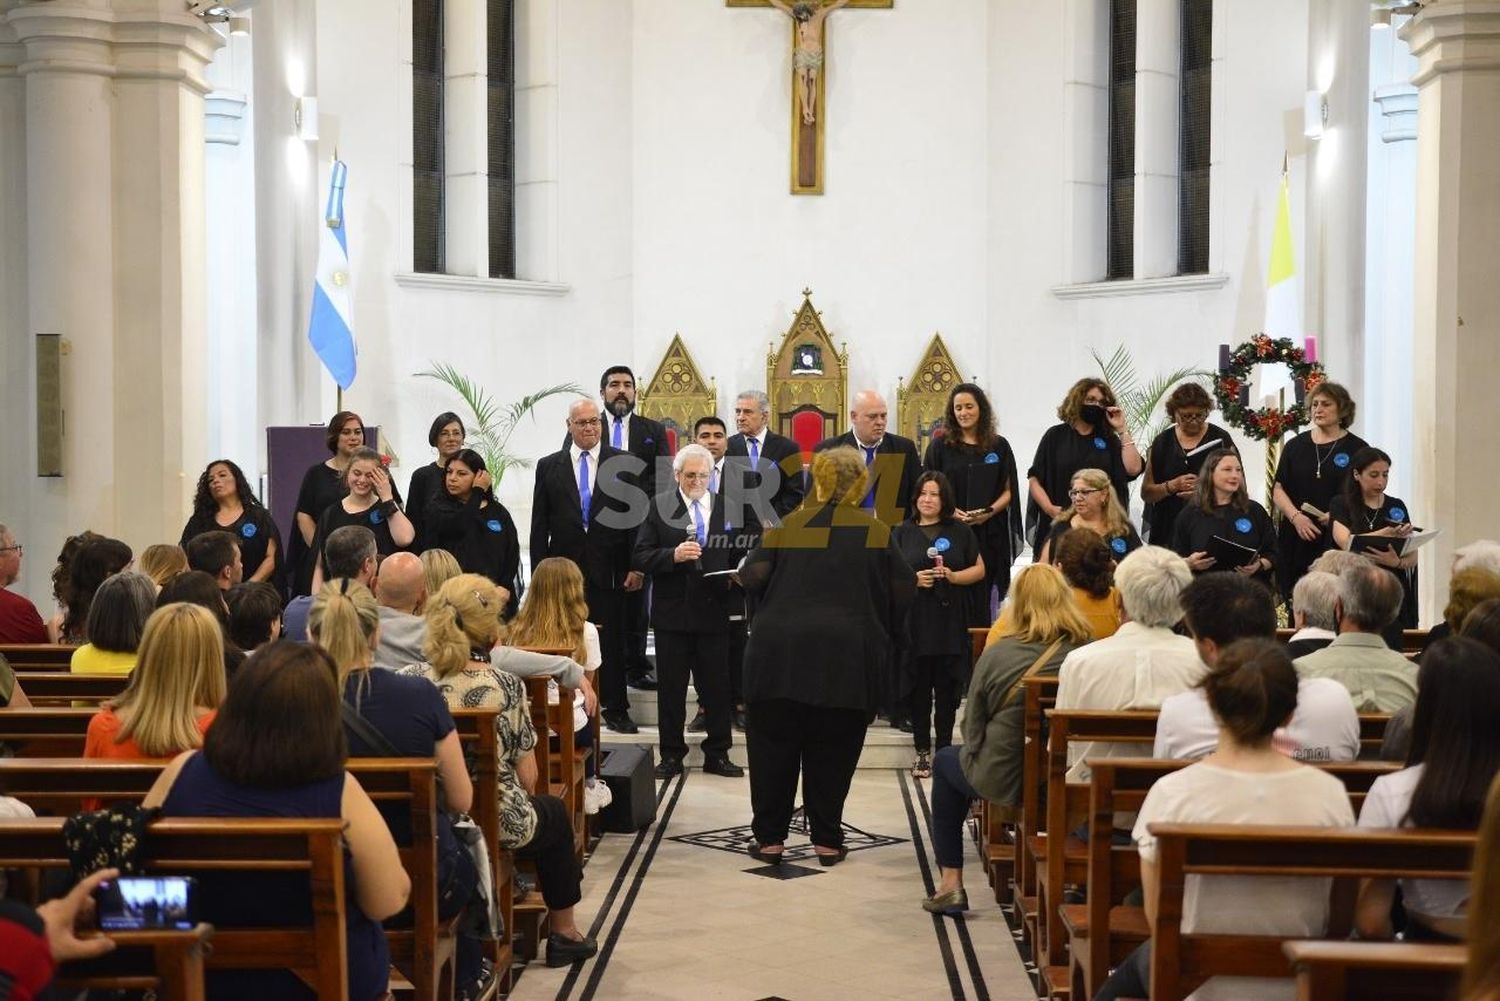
(951, 796)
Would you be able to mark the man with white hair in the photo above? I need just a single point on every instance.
(1481, 554)
(1314, 602)
(19, 620)
(891, 459)
(1379, 679)
(762, 449)
(1143, 662)
(682, 540)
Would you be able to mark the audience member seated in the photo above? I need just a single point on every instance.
(1379, 679)
(277, 750)
(463, 625)
(1252, 691)
(38, 941)
(197, 588)
(62, 582)
(1482, 972)
(1143, 662)
(173, 693)
(1088, 566)
(1219, 610)
(1468, 587)
(20, 622)
(387, 715)
(117, 619)
(1047, 627)
(95, 561)
(347, 552)
(370, 503)
(1455, 755)
(439, 567)
(1315, 601)
(254, 614)
(224, 502)
(1095, 505)
(161, 562)
(217, 554)
(11, 695)
(1482, 624)
(401, 590)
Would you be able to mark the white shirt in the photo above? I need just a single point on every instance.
(1247, 905)
(1312, 633)
(1385, 807)
(705, 504)
(575, 452)
(609, 430)
(1136, 668)
(1324, 726)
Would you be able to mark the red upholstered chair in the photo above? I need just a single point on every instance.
(807, 431)
(672, 440)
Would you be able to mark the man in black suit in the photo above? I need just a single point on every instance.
(628, 431)
(1313, 601)
(579, 510)
(682, 538)
(891, 459)
(762, 449)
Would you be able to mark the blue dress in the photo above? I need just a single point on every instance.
(244, 900)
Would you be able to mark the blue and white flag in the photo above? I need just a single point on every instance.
(331, 329)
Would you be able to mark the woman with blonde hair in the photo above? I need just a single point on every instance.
(174, 691)
(162, 562)
(387, 715)
(1094, 505)
(1047, 626)
(438, 567)
(463, 626)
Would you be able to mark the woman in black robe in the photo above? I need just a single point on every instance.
(1092, 435)
(1175, 457)
(1223, 530)
(447, 436)
(470, 523)
(224, 502)
(1365, 509)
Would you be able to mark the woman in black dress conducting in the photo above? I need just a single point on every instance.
(945, 555)
(1311, 471)
(981, 467)
(470, 523)
(832, 591)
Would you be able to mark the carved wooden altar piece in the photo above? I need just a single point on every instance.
(678, 395)
(807, 380)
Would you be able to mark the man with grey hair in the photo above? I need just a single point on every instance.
(348, 552)
(891, 459)
(19, 620)
(1314, 602)
(1379, 679)
(682, 540)
(1144, 662)
(772, 460)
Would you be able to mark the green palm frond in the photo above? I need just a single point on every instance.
(490, 422)
(1118, 371)
(513, 414)
(475, 397)
(1140, 402)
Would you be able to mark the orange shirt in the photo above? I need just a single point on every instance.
(104, 728)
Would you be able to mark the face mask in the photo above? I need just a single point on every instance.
(1092, 413)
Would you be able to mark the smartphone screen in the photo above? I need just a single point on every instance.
(133, 903)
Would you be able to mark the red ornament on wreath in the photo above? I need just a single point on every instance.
(1263, 423)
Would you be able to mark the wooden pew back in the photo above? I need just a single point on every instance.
(60, 688)
(51, 732)
(1039, 695)
(1391, 971)
(1181, 962)
(481, 746)
(38, 656)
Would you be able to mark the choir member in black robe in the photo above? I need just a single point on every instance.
(1175, 457)
(447, 436)
(981, 466)
(1311, 470)
(1365, 509)
(470, 523)
(1097, 507)
(1222, 510)
(1092, 435)
(224, 502)
(370, 502)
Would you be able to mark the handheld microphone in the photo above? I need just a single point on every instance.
(692, 536)
(941, 584)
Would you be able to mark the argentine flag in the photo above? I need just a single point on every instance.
(331, 329)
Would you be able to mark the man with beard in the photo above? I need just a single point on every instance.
(628, 431)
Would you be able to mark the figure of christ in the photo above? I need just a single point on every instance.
(807, 57)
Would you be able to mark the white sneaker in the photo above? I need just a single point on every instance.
(596, 796)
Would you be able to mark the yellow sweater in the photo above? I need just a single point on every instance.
(1103, 615)
(89, 659)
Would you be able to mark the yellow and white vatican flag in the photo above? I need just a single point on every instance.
(1283, 301)
(331, 327)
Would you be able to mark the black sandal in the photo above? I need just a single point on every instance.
(758, 852)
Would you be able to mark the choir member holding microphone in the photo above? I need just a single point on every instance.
(1223, 529)
(1365, 511)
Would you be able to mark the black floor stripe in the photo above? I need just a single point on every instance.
(608, 945)
(955, 982)
(609, 900)
(981, 991)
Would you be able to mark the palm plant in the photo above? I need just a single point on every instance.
(491, 422)
(1140, 402)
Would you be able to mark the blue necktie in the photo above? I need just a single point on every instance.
(713, 481)
(585, 496)
(754, 452)
(869, 502)
(700, 529)
(614, 438)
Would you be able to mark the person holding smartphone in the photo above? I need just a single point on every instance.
(34, 942)
(1364, 508)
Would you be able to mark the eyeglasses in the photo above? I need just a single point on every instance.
(1076, 494)
(451, 434)
(694, 476)
(1189, 417)
(586, 422)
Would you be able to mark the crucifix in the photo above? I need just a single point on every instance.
(809, 58)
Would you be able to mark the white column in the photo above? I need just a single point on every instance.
(538, 219)
(17, 402)
(1158, 102)
(1338, 53)
(466, 165)
(1457, 342)
(1085, 139)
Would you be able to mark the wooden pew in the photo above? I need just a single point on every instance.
(60, 688)
(166, 962)
(56, 786)
(977, 639)
(1181, 962)
(1121, 784)
(1391, 971)
(45, 733)
(38, 656)
(1030, 842)
(481, 747)
(316, 953)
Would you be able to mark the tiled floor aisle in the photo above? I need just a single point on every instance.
(681, 919)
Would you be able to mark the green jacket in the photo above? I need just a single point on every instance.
(994, 730)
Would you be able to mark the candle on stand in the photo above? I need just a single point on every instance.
(1223, 357)
(1244, 396)
(1310, 349)
(1300, 387)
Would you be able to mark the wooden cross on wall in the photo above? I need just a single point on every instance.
(809, 22)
